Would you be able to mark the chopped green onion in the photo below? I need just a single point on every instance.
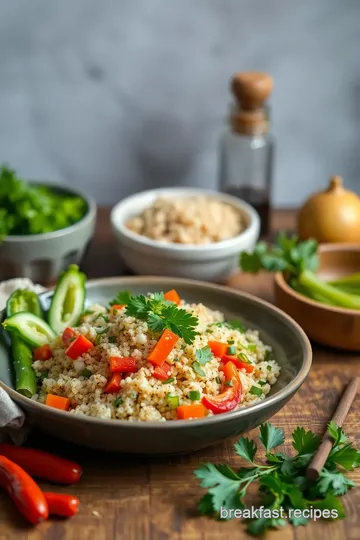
(267, 355)
(255, 391)
(252, 347)
(194, 395)
(106, 318)
(176, 359)
(242, 356)
(196, 367)
(97, 316)
(231, 341)
(102, 330)
(169, 380)
(112, 339)
(43, 375)
(86, 373)
(262, 383)
(118, 401)
(269, 368)
(173, 401)
(229, 383)
(98, 340)
(236, 325)
(218, 380)
(87, 312)
(231, 350)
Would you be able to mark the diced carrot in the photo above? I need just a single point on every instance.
(113, 384)
(218, 349)
(163, 348)
(57, 402)
(78, 347)
(115, 308)
(172, 296)
(240, 364)
(162, 372)
(69, 335)
(124, 364)
(43, 353)
(184, 412)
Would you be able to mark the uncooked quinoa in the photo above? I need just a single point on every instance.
(133, 371)
(188, 220)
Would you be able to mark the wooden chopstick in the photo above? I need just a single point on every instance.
(318, 461)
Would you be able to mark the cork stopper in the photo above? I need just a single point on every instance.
(251, 90)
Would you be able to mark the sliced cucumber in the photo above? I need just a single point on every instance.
(30, 328)
(24, 300)
(67, 303)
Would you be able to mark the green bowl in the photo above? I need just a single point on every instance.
(291, 348)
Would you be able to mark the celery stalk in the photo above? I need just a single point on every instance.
(316, 286)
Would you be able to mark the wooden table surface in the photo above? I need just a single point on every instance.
(131, 498)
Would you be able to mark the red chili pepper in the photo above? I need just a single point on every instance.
(69, 335)
(113, 384)
(24, 492)
(78, 347)
(125, 364)
(42, 464)
(231, 394)
(42, 353)
(249, 368)
(62, 505)
(162, 372)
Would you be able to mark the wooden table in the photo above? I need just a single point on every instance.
(155, 498)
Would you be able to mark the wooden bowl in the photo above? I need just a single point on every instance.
(336, 327)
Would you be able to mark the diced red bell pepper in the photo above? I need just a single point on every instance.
(231, 393)
(172, 296)
(68, 336)
(125, 364)
(43, 353)
(240, 364)
(218, 349)
(162, 372)
(163, 348)
(78, 347)
(113, 384)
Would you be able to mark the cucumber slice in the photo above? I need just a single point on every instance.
(24, 300)
(68, 300)
(30, 328)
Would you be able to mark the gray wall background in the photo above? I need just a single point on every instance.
(117, 96)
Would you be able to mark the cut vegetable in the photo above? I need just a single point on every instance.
(162, 372)
(67, 303)
(24, 300)
(122, 364)
(173, 401)
(43, 353)
(172, 296)
(30, 328)
(69, 335)
(218, 349)
(57, 402)
(113, 384)
(185, 412)
(231, 395)
(194, 395)
(78, 347)
(240, 364)
(115, 308)
(163, 348)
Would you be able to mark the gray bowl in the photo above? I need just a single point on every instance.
(291, 347)
(41, 257)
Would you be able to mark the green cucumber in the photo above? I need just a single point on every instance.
(67, 303)
(24, 300)
(30, 328)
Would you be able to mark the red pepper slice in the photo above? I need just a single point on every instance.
(24, 492)
(78, 347)
(162, 372)
(42, 464)
(42, 353)
(62, 505)
(249, 368)
(113, 384)
(218, 349)
(125, 364)
(69, 335)
(230, 396)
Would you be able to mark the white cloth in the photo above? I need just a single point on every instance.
(12, 418)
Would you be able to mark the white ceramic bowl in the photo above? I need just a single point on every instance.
(210, 262)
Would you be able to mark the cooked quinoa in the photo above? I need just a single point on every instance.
(142, 397)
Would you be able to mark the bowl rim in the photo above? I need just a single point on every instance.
(282, 394)
(88, 216)
(281, 282)
(177, 248)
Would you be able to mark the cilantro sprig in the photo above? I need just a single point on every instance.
(159, 314)
(283, 484)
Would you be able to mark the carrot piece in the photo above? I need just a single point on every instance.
(57, 402)
(42, 353)
(163, 348)
(162, 372)
(184, 412)
(172, 296)
(78, 347)
(113, 384)
(124, 364)
(240, 364)
(115, 308)
(68, 336)
(218, 349)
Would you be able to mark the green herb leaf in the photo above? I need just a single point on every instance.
(196, 367)
(236, 325)
(337, 434)
(168, 381)
(206, 505)
(103, 330)
(246, 448)
(204, 355)
(305, 442)
(346, 456)
(118, 401)
(270, 436)
(334, 482)
(122, 297)
(112, 339)
(86, 373)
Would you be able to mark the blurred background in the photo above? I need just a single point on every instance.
(116, 96)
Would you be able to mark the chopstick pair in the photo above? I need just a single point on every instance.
(320, 457)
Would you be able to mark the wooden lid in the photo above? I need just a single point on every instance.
(251, 89)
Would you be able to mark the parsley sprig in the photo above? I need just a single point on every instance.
(282, 479)
(159, 314)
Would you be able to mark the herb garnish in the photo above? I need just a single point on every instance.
(103, 330)
(236, 325)
(159, 314)
(86, 373)
(168, 381)
(204, 355)
(118, 401)
(196, 367)
(283, 484)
